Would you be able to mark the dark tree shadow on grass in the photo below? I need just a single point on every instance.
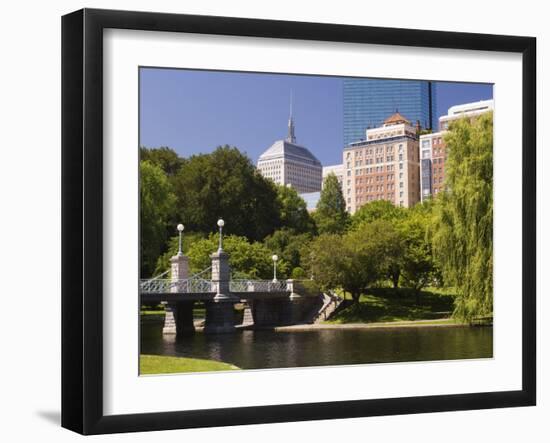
(387, 304)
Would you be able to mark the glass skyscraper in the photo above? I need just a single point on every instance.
(368, 102)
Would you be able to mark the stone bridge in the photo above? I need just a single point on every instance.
(267, 302)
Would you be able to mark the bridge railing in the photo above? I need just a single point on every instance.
(199, 285)
(258, 286)
(186, 286)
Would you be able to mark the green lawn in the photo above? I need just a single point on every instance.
(389, 305)
(151, 312)
(157, 364)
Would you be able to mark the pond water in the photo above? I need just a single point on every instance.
(271, 349)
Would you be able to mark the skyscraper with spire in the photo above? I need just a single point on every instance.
(290, 164)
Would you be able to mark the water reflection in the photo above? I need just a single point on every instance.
(268, 349)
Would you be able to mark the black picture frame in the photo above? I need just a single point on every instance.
(82, 240)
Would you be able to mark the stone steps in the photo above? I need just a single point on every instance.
(330, 303)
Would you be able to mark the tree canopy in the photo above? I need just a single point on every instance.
(418, 267)
(289, 245)
(156, 203)
(331, 215)
(386, 211)
(247, 259)
(166, 158)
(293, 210)
(463, 226)
(226, 184)
(353, 261)
(377, 210)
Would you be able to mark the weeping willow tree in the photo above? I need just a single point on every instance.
(463, 225)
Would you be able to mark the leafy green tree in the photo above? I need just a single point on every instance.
(377, 210)
(463, 230)
(383, 210)
(298, 273)
(226, 184)
(163, 262)
(164, 157)
(325, 260)
(417, 263)
(247, 259)
(392, 250)
(364, 263)
(156, 203)
(288, 245)
(293, 210)
(331, 216)
(353, 261)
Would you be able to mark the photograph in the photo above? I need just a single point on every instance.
(297, 220)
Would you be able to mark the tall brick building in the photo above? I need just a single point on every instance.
(384, 166)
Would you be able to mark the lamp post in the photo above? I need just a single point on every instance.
(180, 228)
(220, 225)
(275, 258)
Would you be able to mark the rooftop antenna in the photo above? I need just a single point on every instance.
(290, 114)
(291, 137)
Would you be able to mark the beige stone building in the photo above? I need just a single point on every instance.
(384, 166)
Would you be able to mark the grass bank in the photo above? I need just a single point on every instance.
(329, 325)
(381, 305)
(158, 364)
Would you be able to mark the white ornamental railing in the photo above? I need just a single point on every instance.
(196, 285)
(258, 286)
(185, 286)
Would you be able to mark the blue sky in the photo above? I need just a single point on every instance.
(195, 111)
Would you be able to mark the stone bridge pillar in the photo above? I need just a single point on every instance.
(220, 316)
(294, 305)
(179, 267)
(179, 315)
(179, 318)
